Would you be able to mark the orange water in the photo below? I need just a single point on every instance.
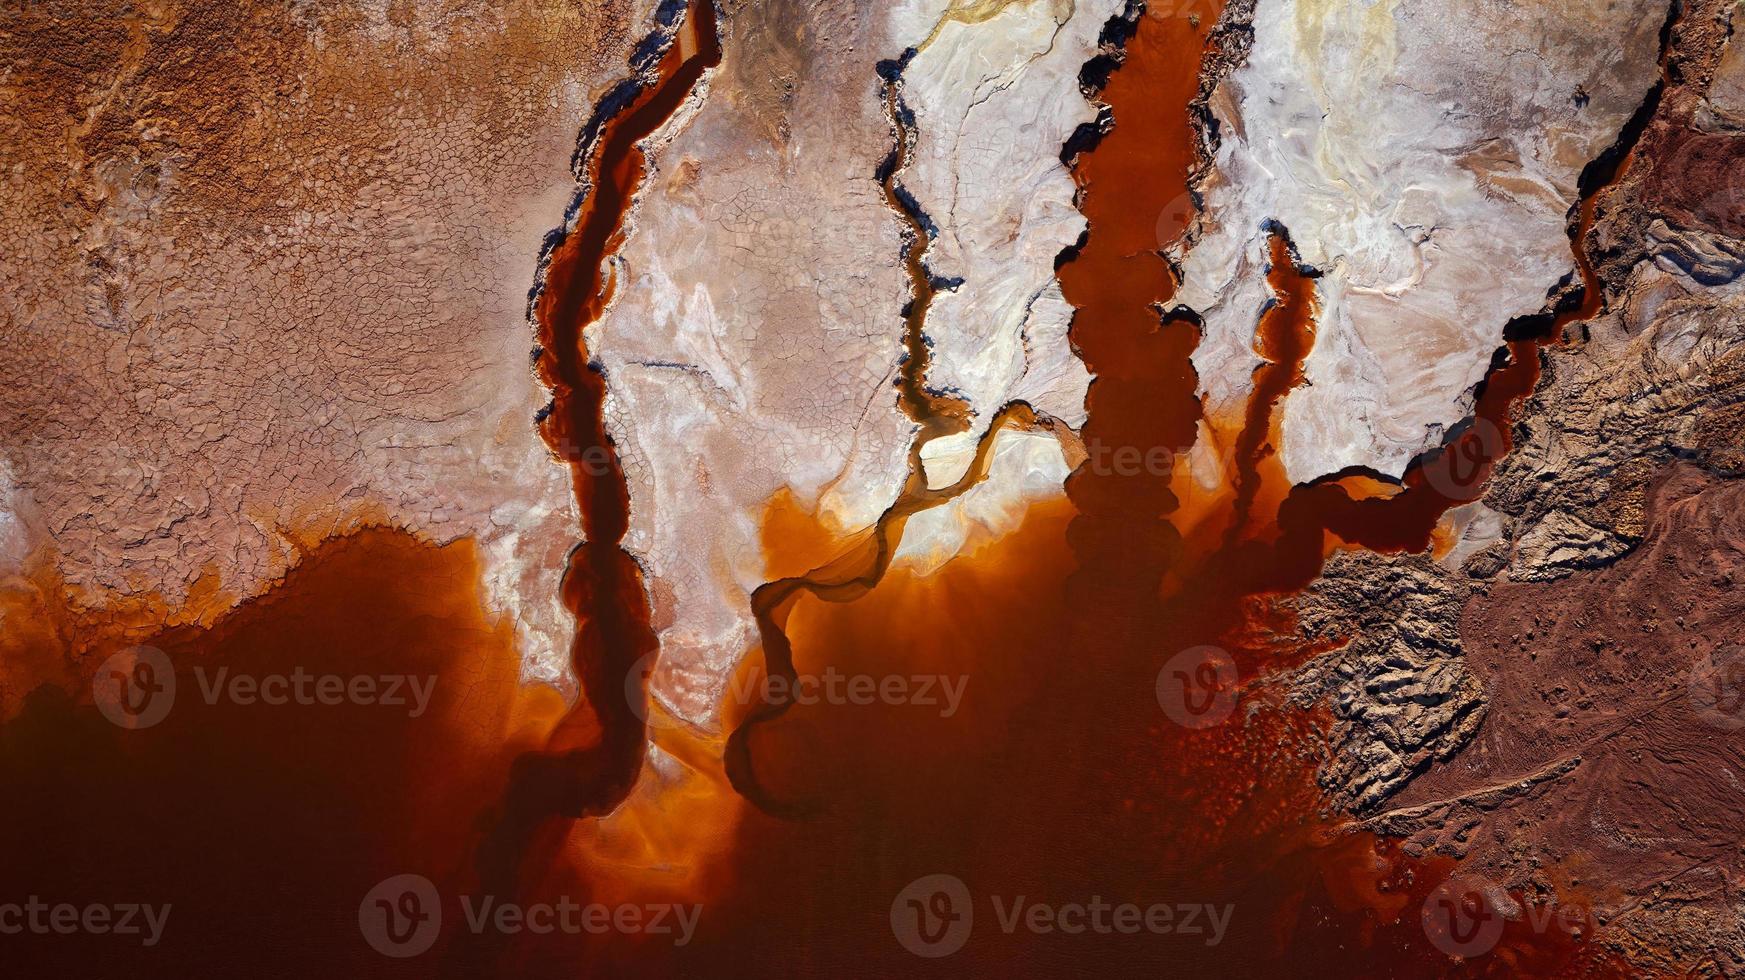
(1058, 777)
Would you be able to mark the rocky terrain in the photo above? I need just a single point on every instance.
(1553, 700)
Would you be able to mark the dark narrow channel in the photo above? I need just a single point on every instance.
(595, 753)
(859, 569)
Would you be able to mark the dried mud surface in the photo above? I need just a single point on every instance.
(268, 283)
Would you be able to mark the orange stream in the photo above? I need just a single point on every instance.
(1058, 777)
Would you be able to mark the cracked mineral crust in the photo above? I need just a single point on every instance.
(1425, 156)
(269, 282)
(1452, 292)
(759, 339)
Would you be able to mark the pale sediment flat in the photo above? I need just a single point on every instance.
(1424, 155)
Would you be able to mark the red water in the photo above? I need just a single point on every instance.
(1283, 340)
(1059, 778)
(850, 572)
(261, 826)
(937, 414)
(596, 751)
(1062, 777)
(265, 828)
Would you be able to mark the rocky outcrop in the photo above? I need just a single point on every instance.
(1561, 545)
(1399, 691)
(1600, 622)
